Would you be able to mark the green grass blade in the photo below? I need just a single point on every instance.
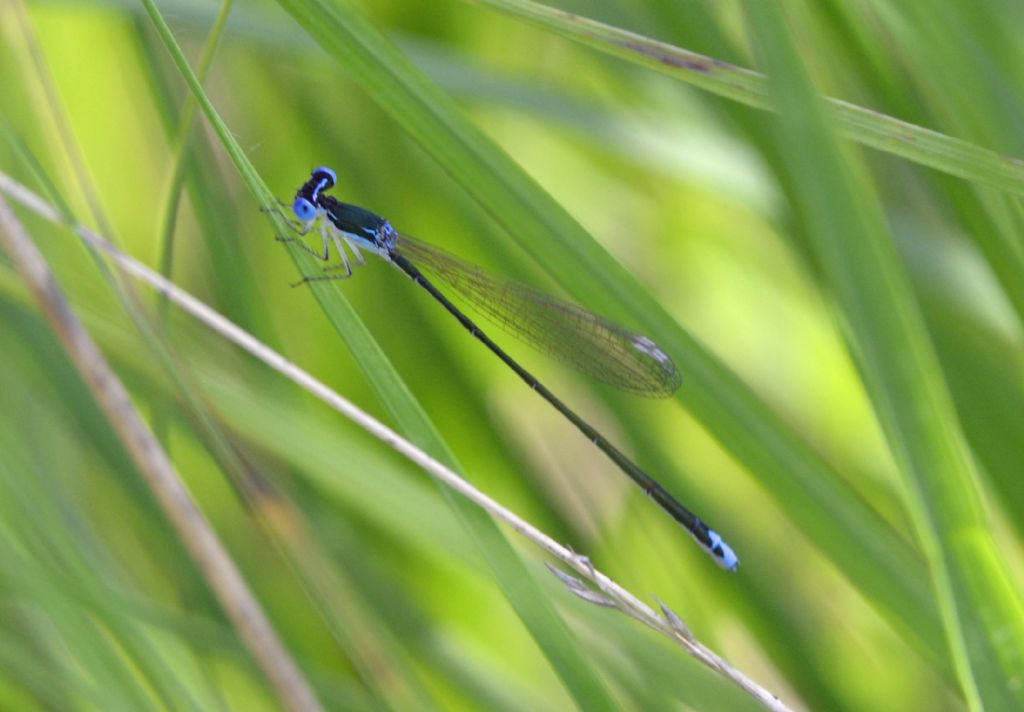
(171, 202)
(867, 127)
(982, 610)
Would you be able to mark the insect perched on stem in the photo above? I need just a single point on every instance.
(567, 332)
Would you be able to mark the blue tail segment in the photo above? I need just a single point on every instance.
(722, 552)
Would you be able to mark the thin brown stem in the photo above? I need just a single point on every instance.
(195, 531)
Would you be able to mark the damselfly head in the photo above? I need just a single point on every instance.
(308, 197)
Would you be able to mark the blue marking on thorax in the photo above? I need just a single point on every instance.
(319, 186)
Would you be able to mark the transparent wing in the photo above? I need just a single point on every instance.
(589, 343)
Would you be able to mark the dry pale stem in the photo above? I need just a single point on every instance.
(151, 460)
(669, 624)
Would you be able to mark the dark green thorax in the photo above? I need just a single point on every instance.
(351, 218)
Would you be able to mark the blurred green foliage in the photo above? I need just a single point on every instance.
(847, 323)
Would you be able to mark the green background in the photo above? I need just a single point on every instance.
(847, 322)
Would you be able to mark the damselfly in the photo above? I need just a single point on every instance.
(565, 331)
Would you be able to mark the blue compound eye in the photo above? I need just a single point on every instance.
(325, 172)
(303, 209)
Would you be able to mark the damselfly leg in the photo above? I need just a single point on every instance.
(331, 234)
